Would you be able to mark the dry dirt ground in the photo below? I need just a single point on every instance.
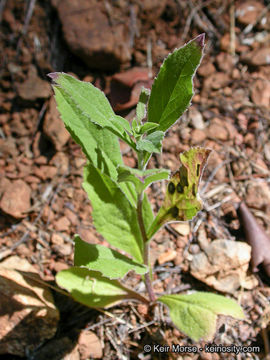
(119, 46)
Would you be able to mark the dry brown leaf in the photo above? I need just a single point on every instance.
(28, 314)
(257, 238)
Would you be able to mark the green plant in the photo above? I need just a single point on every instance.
(121, 210)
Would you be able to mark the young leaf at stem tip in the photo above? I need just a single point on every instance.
(172, 89)
(141, 106)
(141, 179)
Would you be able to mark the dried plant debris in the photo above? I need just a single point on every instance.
(257, 239)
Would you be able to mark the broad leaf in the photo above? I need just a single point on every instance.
(152, 143)
(91, 288)
(93, 104)
(99, 145)
(113, 215)
(172, 90)
(196, 314)
(110, 263)
(141, 178)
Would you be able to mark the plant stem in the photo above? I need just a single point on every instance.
(147, 278)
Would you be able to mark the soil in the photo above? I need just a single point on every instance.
(119, 46)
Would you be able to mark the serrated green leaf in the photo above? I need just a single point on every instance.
(196, 314)
(89, 99)
(172, 90)
(113, 215)
(110, 263)
(152, 143)
(93, 104)
(91, 288)
(99, 145)
(141, 106)
(141, 178)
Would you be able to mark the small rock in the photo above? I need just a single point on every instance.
(143, 309)
(47, 213)
(182, 228)
(194, 249)
(126, 87)
(266, 151)
(62, 224)
(8, 147)
(57, 239)
(178, 259)
(63, 249)
(227, 91)
(232, 132)
(248, 12)
(258, 195)
(171, 143)
(153, 8)
(41, 160)
(197, 136)
(79, 161)
(54, 127)
(258, 57)
(4, 184)
(167, 256)
(196, 118)
(213, 163)
(61, 161)
(217, 131)
(23, 170)
(72, 216)
(45, 172)
(34, 88)
(206, 68)
(130, 77)
(225, 42)
(89, 345)
(225, 61)
(260, 92)
(216, 81)
(16, 200)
